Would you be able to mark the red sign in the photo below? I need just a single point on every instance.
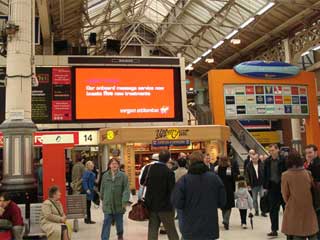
(61, 110)
(249, 90)
(278, 99)
(278, 90)
(294, 90)
(303, 91)
(61, 76)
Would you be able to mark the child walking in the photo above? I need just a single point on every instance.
(243, 202)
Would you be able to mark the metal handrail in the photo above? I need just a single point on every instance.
(245, 137)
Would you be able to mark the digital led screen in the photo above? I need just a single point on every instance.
(127, 94)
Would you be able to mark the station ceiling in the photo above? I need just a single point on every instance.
(187, 27)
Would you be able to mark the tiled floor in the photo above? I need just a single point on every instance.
(138, 230)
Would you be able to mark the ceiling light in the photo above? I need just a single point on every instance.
(305, 53)
(266, 8)
(246, 23)
(234, 32)
(189, 67)
(206, 53)
(235, 41)
(218, 44)
(316, 48)
(209, 60)
(197, 60)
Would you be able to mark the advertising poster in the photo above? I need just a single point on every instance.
(125, 93)
(267, 101)
(41, 97)
(61, 94)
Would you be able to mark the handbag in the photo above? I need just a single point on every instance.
(139, 211)
(264, 203)
(96, 198)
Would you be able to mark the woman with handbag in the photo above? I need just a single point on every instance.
(115, 196)
(299, 218)
(88, 182)
(53, 221)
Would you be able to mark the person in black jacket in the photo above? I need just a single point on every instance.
(311, 152)
(228, 172)
(197, 196)
(249, 158)
(254, 179)
(274, 166)
(160, 181)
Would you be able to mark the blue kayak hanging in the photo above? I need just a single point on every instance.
(267, 70)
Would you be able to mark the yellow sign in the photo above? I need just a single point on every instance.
(110, 135)
(173, 134)
(267, 137)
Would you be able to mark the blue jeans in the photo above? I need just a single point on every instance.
(118, 218)
(255, 192)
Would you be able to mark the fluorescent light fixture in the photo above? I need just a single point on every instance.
(189, 67)
(197, 60)
(305, 53)
(206, 53)
(210, 60)
(218, 44)
(246, 23)
(234, 32)
(316, 48)
(266, 8)
(235, 41)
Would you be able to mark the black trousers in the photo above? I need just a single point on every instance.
(167, 218)
(243, 215)
(275, 201)
(88, 210)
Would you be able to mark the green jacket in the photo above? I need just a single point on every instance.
(115, 194)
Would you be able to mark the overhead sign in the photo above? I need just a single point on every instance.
(39, 140)
(58, 139)
(87, 138)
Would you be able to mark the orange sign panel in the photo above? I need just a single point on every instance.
(124, 93)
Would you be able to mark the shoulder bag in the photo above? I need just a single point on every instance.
(139, 212)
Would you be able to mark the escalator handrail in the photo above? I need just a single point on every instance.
(250, 141)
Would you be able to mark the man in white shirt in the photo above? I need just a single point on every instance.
(254, 178)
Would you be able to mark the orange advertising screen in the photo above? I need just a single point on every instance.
(128, 94)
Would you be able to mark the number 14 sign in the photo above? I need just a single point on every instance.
(88, 138)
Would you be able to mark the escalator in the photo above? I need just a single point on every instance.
(242, 141)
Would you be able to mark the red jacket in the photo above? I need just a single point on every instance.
(13, 213)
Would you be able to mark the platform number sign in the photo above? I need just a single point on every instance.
(88, 138)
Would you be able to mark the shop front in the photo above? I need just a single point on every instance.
(137, 144)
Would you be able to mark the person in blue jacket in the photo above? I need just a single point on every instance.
(197, 196)
(88, 182)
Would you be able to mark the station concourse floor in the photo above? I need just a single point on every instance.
(138, 230)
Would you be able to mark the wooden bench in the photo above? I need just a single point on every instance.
(76, 209)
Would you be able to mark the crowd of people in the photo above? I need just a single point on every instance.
(192, 189)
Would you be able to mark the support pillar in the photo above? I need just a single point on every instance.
(295, 123)
(18, 126)
(105, 158)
